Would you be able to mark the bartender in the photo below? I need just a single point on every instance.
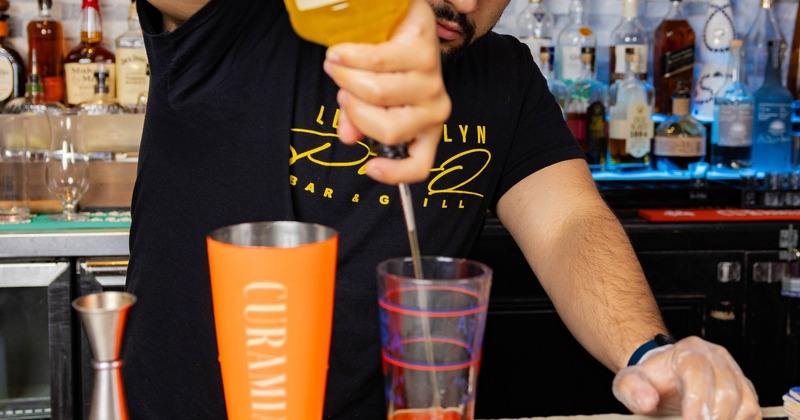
(241, 126)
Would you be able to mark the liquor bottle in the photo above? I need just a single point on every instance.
(12, 69)
(681, 139)
(586, 112)
(102, 102)
(535, 29)
(629, 33)
(673, 57)
(132, 78)
(732, 127)
(367, 21)
(34, 100)
(715, 40)
(765, 29)
(630, 124)
(46, 36)
(793, 78)
(556, 87)
(572, 39)
(772, 128)
(80, 62)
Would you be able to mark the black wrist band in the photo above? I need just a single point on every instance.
(658, 341)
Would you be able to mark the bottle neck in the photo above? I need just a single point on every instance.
(587, 72)
(631, 67)
(91, 25)
(33, 90)
(736, 65)
(576, 11)
(133, 17)
(674, 11)
(44, 9)
(630, 9)
(772, 71)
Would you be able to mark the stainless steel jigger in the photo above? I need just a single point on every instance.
(103, 316)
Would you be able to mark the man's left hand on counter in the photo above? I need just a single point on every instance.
(693, 377)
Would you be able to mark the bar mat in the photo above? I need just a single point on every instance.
(718, 215)
(97, 220)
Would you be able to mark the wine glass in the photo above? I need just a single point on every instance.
(67, 164)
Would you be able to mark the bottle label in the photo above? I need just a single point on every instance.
(571, 66)
(679, 146)
(773, 122)
(678, 61)
(304, 5)
(132, 79)
(81, 81)
(619, 57)
(735, 124)
(636, 129)
(6, 79)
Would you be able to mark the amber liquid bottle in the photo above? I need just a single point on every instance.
(328, 22)
(673, 58)
(80, 62)
(12, 69)
(46, 38)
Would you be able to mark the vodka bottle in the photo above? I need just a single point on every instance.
(732, 127)
(629, 33)
(765, 29)
(715, 38)
(630, 111)
(586, 112)
(673, 57)
(681, 139)
(572, 39)
(772, 134)
(535, 29)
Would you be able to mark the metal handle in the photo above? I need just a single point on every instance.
(399, 151)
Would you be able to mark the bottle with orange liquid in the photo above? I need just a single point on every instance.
(80, 62)
(46, 37)
(329, 22)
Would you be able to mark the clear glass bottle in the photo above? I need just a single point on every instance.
(572, 39)
(79, 62)
(732, 126)
(12, 68)
(673, 57)
(46, 37)
(764, 29)
(132, 77)
(34, 100)
(557, 87)
(102, 102)
(629, 33)
(714, 51)
(630, 123)
(680, 140)
(535, 29)
(772, 128)
(586, 112)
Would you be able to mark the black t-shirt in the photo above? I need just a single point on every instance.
(240, 127)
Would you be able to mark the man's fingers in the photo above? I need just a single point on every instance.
(633, 389)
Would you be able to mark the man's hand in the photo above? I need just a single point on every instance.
(393, 92)
(695, 378)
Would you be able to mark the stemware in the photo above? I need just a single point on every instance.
(66, 163)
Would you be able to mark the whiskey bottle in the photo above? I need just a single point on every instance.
(132, 77)
(535, 29)
(732, 126)
(81, 61)
(329, 22)
(101, 102)
(556, 87)
(586, 112)
(680, 140)
(12, 69)
(630, 124)
(673, 57)
(628, 34)
(764, 30)
(46, 37)
(772, 122)
(572, 39)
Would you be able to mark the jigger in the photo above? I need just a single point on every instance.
(103, 317)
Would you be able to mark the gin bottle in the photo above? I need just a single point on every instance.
(535, 29)
(556, 87)
(681, 139)
(772, 135)
(765, 29)
(572, 39)
(630, 124)
(673, 57)
(586, 112)
(628, 34)
(732, 126)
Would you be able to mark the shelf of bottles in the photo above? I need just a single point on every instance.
(712, 107)
(88, 75)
